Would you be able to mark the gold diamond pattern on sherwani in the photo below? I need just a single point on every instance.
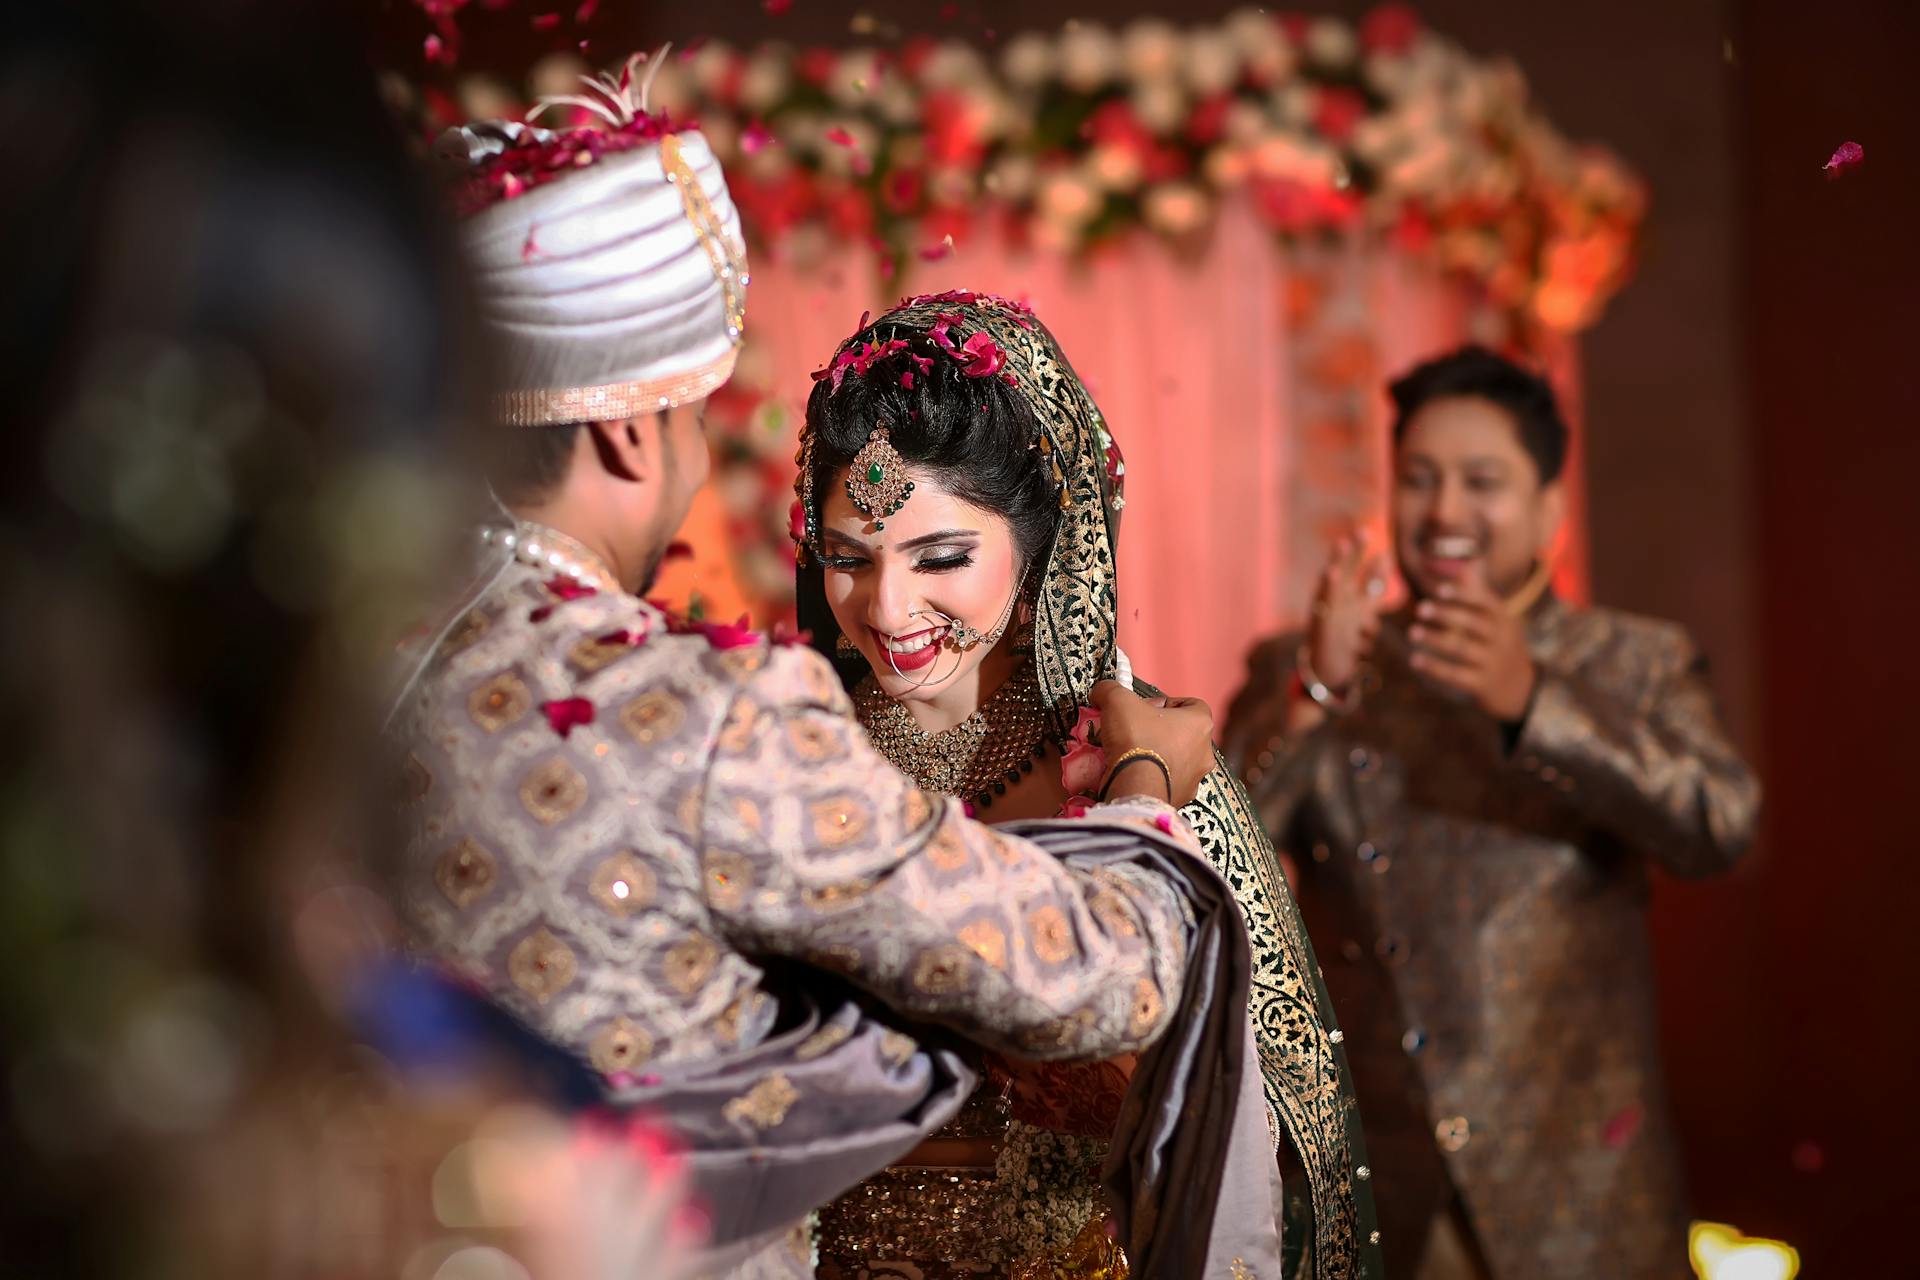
(499, 702)
(553, 791)
(987, 940)
(622, 884)
(1050, 935)
(594, 653)
(465, 873)
(541, 965)
(690, 962)
(653, 716)
(621, 1045)
(838, 820)
(941, 970)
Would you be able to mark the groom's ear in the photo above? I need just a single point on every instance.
(628, 448)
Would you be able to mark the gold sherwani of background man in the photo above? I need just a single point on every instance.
(1478, 893)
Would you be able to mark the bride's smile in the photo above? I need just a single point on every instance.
(918, 596)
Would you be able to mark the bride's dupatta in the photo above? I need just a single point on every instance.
(1182, 1192)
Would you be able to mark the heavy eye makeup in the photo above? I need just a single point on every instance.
(945, 556)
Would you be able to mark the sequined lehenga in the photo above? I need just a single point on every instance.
(1040, 1211)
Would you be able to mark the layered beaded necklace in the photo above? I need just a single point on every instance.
(977, 759)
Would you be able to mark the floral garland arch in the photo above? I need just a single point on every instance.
(1063, 141)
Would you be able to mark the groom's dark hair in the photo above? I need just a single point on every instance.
(975, 435)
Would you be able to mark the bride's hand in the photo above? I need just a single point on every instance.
(1178, 730)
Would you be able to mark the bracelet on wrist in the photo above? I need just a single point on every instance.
(1315, 688)
(1136, 755)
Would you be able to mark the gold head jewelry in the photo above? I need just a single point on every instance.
(877, 480)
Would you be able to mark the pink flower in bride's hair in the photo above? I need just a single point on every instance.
(1084, 763)
(1848, 155)
(979, 356)
(567, 714)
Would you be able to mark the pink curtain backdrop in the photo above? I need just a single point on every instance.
(1243, 382)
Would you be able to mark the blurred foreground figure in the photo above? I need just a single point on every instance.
(228, 343)
(666, 847)
(1474, 788)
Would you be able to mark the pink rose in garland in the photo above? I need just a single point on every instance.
(1083, 764)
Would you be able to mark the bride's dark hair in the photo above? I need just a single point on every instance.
(974, 436)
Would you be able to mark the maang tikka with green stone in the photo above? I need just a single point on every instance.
(877, 481)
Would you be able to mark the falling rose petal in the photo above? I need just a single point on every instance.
(776, 8)
(586, 11)
(620, 637)
(1848, 155)
(935, 252)
(1622, 1125)
(755, 138)
(1164, 821)
(436, 48)
(784, 633)
(677, 550)
(568, 714)
(840, 137)
(545, 21)
(511, 185)
(906, 379)
(541, 614)
(528, 249)
(568, 588)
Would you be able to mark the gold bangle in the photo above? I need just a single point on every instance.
(1126, 758)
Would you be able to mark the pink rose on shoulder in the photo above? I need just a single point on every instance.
(1084, 763)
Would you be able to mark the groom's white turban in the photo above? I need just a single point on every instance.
(609, 263)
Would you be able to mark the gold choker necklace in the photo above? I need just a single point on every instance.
(976, 759)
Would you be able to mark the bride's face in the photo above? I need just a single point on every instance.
(888, 587)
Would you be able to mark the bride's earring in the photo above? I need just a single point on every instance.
(844, 647)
